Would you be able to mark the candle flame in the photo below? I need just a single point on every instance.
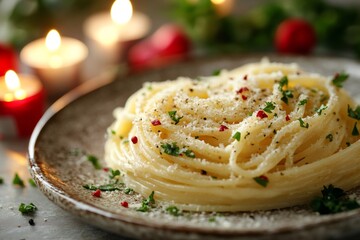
(121, 11)
(12, 80)
(53, 40)
(218, 1)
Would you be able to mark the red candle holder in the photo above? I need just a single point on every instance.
(23, 114)
(8, 59)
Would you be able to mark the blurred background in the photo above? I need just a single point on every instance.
(93, 37)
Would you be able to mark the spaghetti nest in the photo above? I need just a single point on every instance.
(262, 136)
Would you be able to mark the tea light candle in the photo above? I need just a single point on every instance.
(56, 60)
(110, 32)
(223, 7)
(22, 103)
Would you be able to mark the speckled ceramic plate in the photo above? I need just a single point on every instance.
(76, 125)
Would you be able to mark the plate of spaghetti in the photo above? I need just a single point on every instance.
(235, 147)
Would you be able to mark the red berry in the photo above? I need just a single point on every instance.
(97, 193)
(295, 36)
(134, 140)
(125, 204)
(223, 128)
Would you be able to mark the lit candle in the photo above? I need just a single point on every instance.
(22, 103)
(223, 7)
(111, 32)
(56, 60)
(8, 59)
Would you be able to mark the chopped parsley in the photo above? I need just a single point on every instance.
(303, 124)
(147, 203)
(286, 94)
(18, 181)
(339, 79)
(94, 161)
(237, 136)
(174, 117)
(333, 200)
(25, 209)
(174, 150)
(189, 153)
(113, 132)
(269, 107)
(320, 109)
(354, 113)
(212, 219)
(128, 191)
(355, 131)
(330, 137)
(171, 149)
(114, 173)
(32, 182)
(216, 72)
(173, 210)
(262, 180)
(303, 102)
(106, 187)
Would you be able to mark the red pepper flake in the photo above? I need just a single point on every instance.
(125, 204)
(245, 77)
(223, 128)
(134, 139)
(241, 90)
(156, 122)
(243, 97)
(261, 114)
(287, 118)
(106, 169)
(97, 193)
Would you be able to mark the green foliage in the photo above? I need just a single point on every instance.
(337, 28)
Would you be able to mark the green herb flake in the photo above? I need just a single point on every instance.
(94, 161)
(339, 79)
(354, 113)
(171, 149)
(1, 180)
(333, 200)
(128, 191)
(284, 82)
(355, 131)
(173, 210)
(106, 187)
(303, 102)
(269, 107)
(237, 136)
(114, 173)
(174, 117)
(262, 180)
(189, 153)
(303, 124)
(113, 132)
(32, 182)
(216, 72)
(212, 219)
(147, 203)
(320, 109)
(18, 181)
(26, 209)
(330, 137)
(286, 94)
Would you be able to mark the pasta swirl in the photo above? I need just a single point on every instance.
(262, 136)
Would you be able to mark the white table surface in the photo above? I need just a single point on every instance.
(51, 222)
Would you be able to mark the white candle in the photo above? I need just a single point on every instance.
(56, 60)
(109, 32)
